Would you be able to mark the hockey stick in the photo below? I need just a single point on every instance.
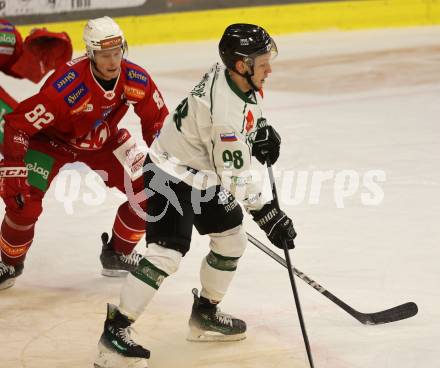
(394, 314)
(290, 270)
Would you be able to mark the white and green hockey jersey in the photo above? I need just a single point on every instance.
(208, 139)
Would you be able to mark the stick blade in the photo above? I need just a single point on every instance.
(394, 314)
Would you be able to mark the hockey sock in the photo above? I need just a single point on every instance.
(141, 285)
(216, 274)
(135, 296)
(128, 229)
(15, 241)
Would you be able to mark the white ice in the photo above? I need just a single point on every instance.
(365, 102)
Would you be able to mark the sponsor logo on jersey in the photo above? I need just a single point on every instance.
(134, 93)
(249, 121)
(21, 139)
(228, 137)
(39, 165)
(77, 94)
(106, 113)
(241, 180)
(7, 38)
(84, 106)
(66, 80)
(137, 76)
(111, 43)
(6, 50)
(6, 26)
(108, 106)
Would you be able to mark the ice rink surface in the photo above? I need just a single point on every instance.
(348, 106)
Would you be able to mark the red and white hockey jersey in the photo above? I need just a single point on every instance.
(73, 108)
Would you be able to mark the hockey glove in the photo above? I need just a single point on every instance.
(276, 224)
(14, 186)
(42, 51)
(266, 146)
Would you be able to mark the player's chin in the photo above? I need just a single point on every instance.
(260, 84)
(112, 73)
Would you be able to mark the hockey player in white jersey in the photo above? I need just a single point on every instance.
(196, 168)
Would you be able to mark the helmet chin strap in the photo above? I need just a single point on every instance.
(248, 76)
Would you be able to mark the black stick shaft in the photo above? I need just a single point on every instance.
(291, 276)
(394, 314)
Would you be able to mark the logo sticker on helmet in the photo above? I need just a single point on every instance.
(111, 43)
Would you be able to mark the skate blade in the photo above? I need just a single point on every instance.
(197, 335)
(7, 284)
(113, 273)
(110, 359)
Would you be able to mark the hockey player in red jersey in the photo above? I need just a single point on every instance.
(41, 52)
(75, 117)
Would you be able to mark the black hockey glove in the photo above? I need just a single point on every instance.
(276, 224)
(266, 146)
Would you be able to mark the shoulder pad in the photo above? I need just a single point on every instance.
(134, 73)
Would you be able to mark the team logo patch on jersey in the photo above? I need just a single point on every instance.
(249, 121)
(137, 76)
(228, 137)
(7, 38)
(76, 95)
(66, 80)
(134, 93)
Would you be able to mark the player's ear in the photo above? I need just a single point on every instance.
(240, 66)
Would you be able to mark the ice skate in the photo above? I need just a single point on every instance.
(116, 349)
(210, 324)
(8, 274)
(116, 264)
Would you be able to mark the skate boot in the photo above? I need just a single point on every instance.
(116, 349)
(8, 274)
(208, 323)
(116, 264)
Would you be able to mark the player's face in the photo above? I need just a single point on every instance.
(262, 69)
(108, 63)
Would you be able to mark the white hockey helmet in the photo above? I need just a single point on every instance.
(103, 34)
